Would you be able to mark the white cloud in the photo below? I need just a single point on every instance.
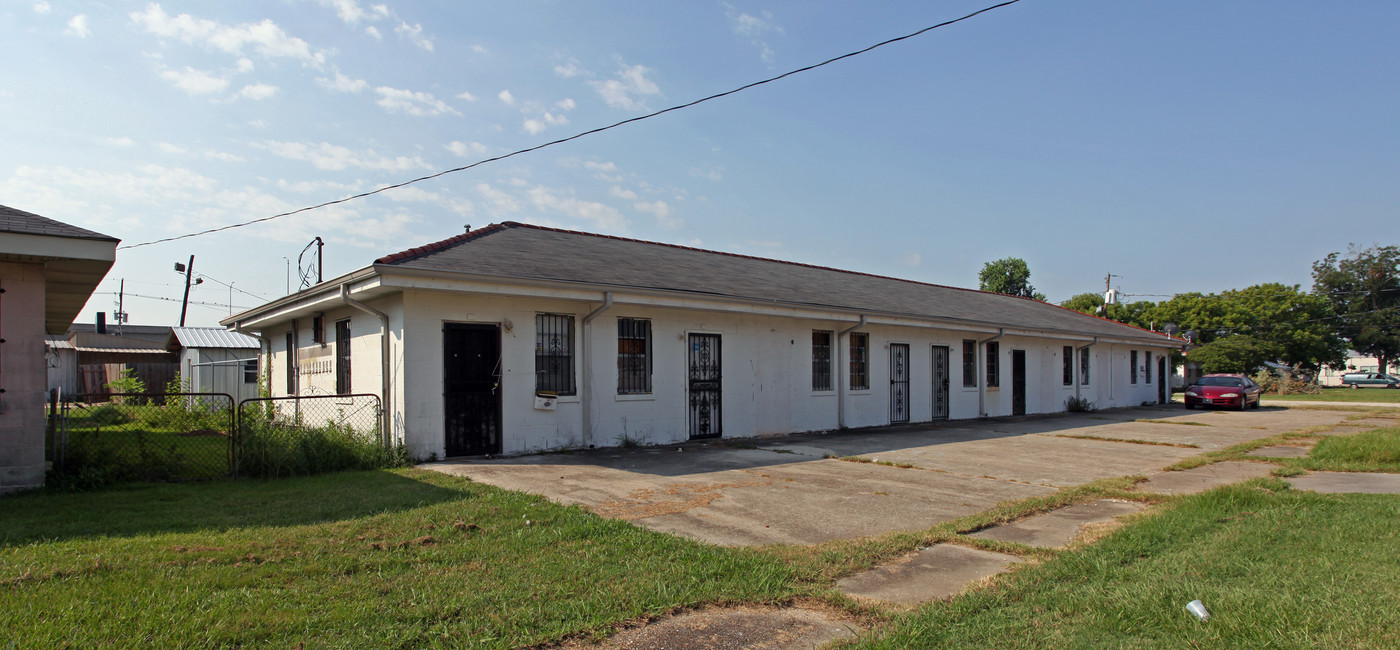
(265, 38)
(465, 149)
(118, 142)
(466, 96)
(912, 260)
(411, 195)
(535, 125)
(349, 11)
(318, 187)
(325, 155)
(195, 82)
(565, 104)
(223, 156)
(659, 209)
(713, 173)
(412, 102)
(374, 31)
(342, 82)
(569, 69)
(599, 215)
(245, 65)
(170, 148)
(258, 124)
(415, 35)
(600, 167)
(380, 11)
(626, 195)
(480, 49)
(41, 7)
(756, 29)
(257, 91)
(499, 201)
(77, 26)
(629, 89)
(506, 98)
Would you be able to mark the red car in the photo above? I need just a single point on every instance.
(1231, 391)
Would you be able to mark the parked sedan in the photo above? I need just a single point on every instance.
(1230, 391)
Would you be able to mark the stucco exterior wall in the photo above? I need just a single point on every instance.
(23, 375)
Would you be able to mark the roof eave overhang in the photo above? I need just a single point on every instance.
(392, 279)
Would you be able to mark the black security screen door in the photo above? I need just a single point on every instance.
(1018, 382)
(471, 393)
(899, 382)
(704, 386)
(940, 382)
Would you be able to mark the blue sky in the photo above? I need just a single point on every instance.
(1184, 146)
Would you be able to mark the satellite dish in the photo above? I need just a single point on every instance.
(1171, 329)
(1191, 335)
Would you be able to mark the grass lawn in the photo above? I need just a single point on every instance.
(1275, 567)
(359, 559)
(411, 558)
(1385, 395)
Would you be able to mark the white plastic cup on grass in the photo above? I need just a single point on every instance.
(1199, 609)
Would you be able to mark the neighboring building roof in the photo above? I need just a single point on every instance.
(513, 250)
(113, 349)
(210, 337)
(57, 342)
(154, 333)
(28, 223)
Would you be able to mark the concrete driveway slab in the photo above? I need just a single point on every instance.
(733, 629)
(1348, 482)
(939, 571)
(1204, 478)
(1281, 451)
(782, 489)
(1060, 527)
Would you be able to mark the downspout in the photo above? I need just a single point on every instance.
(1078, 380)
(386, 421)
(587, 388)
(982, 370)
(842, 373)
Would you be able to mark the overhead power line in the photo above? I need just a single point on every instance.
(576, 136)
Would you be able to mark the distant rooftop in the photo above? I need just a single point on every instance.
(212, 337)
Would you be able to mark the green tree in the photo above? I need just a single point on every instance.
(1238, 354)
(1010, 276)
(1364, 291)
(1086, 303)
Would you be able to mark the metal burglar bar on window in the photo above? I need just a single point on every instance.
(554, 353)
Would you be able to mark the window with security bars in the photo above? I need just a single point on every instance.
(554, 353)
(1084, 366)
(342, 358)
(1068, 365)
(633, 356)
(1132, 367)
(993, 365)
(969, 363)
(860, 361)
(1147, 367)
(821, 360)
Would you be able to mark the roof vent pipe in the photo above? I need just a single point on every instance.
(843, 378)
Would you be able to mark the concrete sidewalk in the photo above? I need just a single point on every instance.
(783, 489)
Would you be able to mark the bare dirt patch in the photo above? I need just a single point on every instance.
(645, 502)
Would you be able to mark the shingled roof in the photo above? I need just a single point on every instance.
(513, 250)
(28, 223)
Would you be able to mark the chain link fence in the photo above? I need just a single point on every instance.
(98, 439)
(311, 434)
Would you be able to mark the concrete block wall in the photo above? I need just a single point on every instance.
(24, 378)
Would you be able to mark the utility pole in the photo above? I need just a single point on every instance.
(121, 311)
(189, 273)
